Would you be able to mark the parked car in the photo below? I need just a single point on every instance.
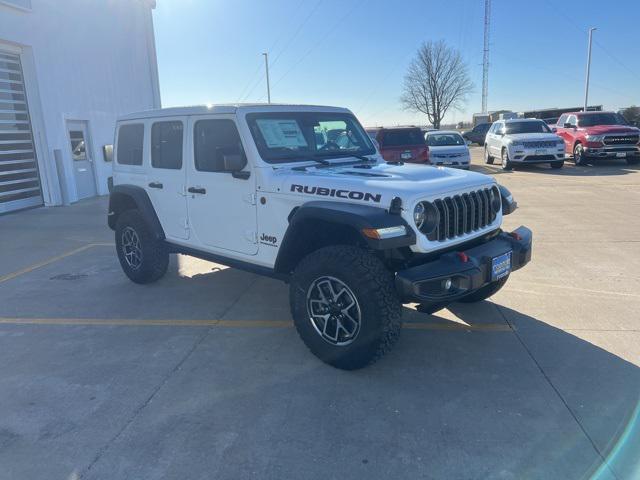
(477, 134)
(591, 135)
(401, 144)
(520, 141)
(255, 188)
(550, 121)
(447, 148)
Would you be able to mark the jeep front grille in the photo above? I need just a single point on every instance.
(463, 214)
(621, 139)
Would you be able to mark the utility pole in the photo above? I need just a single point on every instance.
(586, 83)
(485, 55)
(266, 66)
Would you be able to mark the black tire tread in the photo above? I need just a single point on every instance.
(155, 260)
(376, 279)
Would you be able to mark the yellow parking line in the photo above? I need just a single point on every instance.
(493, 327)
(51, 260)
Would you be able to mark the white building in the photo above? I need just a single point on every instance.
(68, 69)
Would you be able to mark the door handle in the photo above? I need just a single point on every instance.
(199, 190)
(155, 185)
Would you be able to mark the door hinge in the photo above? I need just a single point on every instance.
(250, 198)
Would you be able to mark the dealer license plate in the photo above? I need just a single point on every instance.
(500, 266)
(406, 155)
(621, 154)
(541, 152)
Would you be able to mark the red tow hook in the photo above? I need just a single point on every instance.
(516, 236)
(464, 258)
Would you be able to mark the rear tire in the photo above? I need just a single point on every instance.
(144, 259)
(557, 165)
(344, 306)
(506, 163)
(484, 292)
(488, 159)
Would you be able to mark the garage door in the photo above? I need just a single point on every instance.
(19, 179)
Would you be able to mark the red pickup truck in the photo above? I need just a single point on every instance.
(591, 135)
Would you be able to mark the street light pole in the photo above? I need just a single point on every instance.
(266, 66)
(586, 86)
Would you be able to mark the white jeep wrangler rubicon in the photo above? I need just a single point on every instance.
(300, 193)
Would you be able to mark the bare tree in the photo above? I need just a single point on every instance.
(632, 115)
(436, 81)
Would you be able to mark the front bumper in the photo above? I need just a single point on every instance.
(630, 151)
(425, 283)
(536, 156)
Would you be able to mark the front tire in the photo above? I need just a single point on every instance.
(557, 165)
(488, 159)
(484, 292)
(578, 155)
(506, 163)
(143, 258)
(344, 306)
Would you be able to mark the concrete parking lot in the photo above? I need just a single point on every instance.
(202, 376)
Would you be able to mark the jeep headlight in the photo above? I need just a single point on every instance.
(426, 217)
(495, 199)
(595, 138)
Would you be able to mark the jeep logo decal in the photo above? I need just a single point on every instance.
(332, 192)
(268, 239)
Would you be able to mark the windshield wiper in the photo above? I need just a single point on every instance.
(321, 161)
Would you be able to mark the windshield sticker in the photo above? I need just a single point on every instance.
(279, 133)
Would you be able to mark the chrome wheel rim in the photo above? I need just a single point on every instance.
(131, 248)
(577, 155)
(505, 159)
(333, 311)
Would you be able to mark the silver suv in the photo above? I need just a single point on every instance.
(523, 140)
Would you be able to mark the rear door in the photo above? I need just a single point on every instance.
(167, 175)
(403, 145)
(222, 206)
(561, 131)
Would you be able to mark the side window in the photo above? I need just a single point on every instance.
(572, 120)
(492, 129)
(212, 139)
(166, 145)
(129, 151)
(562, 120)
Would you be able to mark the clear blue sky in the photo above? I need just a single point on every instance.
(354, 53)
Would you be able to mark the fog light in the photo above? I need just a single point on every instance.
(447, 284)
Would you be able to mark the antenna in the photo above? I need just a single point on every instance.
(485, 55)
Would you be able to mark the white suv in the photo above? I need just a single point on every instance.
(300, 193)
(521, 141)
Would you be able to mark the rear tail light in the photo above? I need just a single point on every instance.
(425, 155)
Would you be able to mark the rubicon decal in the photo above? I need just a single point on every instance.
(334, 192)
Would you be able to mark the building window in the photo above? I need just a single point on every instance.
(78, 151)
(166, 145)
(129, 151)
(212, 140)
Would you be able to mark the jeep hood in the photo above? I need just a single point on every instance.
(535, 137)
(605, 129)
(382, 181)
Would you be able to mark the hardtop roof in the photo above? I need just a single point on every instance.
(228, 109)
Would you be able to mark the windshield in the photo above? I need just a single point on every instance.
(444, 139)
(593, 119)
(527, 127)
(402, 137)
(302, 136)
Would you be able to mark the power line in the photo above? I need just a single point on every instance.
(319, 42)
(295, 34)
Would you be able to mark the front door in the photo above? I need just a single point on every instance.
(82, 158)
(222, 207)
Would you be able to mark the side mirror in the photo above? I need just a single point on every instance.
(234, 162)
(568, 125)
(554, 129)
